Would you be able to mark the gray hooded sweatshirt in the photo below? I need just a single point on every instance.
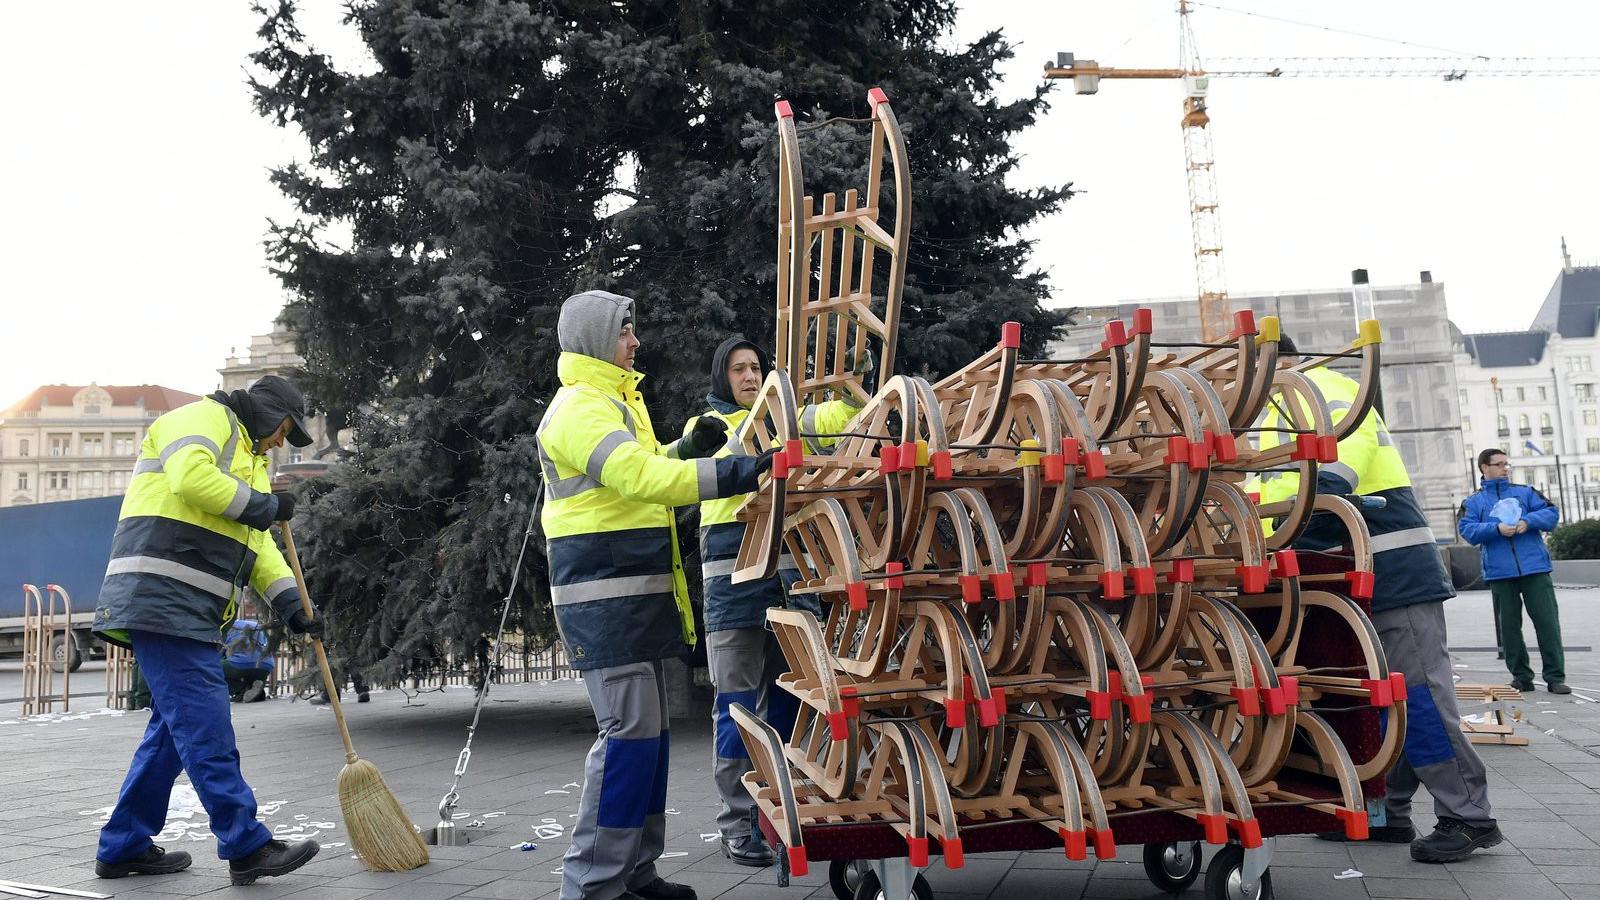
(591, 321)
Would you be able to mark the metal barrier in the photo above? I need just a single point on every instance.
(119, 677)
(43, 615)
(521, 663)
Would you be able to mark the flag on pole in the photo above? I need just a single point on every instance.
(1532, 448)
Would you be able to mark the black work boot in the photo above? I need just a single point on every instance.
(274, 858)
(662, 889)
(1557, 687)
(1454, 840)
(154, 861)
(1521, 685)
(748, 851)
(1398, 831)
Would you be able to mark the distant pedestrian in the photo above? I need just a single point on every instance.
(1506, 522)
(246, 659)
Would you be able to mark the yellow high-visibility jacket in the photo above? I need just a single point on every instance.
(192, 531)
(616, 578)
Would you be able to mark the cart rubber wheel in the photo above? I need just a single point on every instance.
(868, 889)
(844, 875)
(1166, 872)
(1223, 877)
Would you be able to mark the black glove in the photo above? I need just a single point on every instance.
(705, 439)
(300, 623)
(742, 474)
(285, 506)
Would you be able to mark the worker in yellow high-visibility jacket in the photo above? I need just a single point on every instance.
(742, 652)
(616, 581)
(1410, 586)
(191, 535)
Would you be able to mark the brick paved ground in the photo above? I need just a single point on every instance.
(58, 775)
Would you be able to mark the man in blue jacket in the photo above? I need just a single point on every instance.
(1505, 521)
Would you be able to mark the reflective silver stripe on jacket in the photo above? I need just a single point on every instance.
(608, 588)
(241, 498)
(705, 471)
(276, 589)
(1345, 472)
(557, 488)
(224, 455)
(149, 565)
(718, 567)
(1398, 540)
(603, 450)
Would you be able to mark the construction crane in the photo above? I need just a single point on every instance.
(1206, 224)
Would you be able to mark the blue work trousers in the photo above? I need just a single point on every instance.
(190, 731)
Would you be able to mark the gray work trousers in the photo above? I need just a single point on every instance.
(1436, 753)
(745, 665)
(621, 827)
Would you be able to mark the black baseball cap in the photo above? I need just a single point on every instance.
(276, 399)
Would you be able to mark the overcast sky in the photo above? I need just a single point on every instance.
(135, 195)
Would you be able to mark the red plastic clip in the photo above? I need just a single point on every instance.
(1114, 684)
(1099, 705)
(988, 712)
(1112, 585)
(1011, 335)
(1397, 686)
(1005, 585)
(999, 695)
(908, 456)
(971, 588)
(780, 466)
(895, 581)
(849, 701)
(783, 109)
(1249, 701)
(1094, 464)
(1255, 497)
(1244, 322)
(1199, 456)
(857, 592)
(1360, 584)
(795, 450)
(1143, 322)
(1144, 579)
(1227, 449)
(943, 468)
(1305, 447)
(919, 851)
(889, 459)
(1285, 564)
(1071, 451)
(1076, 843)
(1288, 695)
(1177, 451)
(1182, 572)
(876, 96)
(797, 861)
(1252, 579)
(1055, 468)
(838, 726)
(1249, 832)
(1381, 690)
(1327, 449)
(954, 856)
(1116, 335)
(955, 713)
(1355, 823)
(1216, 826)
(1105, 843)
(1138, 707)
(1273, 699)
(1036, 576)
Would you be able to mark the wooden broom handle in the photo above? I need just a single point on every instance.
(316, 644)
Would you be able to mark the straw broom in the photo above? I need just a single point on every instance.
(379, 828)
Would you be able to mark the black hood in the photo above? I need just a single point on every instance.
(720, 388)
(265, 405)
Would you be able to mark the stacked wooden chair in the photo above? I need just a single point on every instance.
(1048, 594)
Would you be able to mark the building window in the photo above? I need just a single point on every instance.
(1504, 429)
(22, 481)
(1542, 394)
(91, 481)
(122, 444)
(119, 480)
(1578, 364)
(1593, 474)
(60, 481)
(1522, 395)
(60, 445)
(24, 447)
(1470, 453)
(295, 455)
(92, 445)
(1522, 424)
(1584, 392)
(1544, 424)
(1589, 417)
(1593, 445)
(1466, 423)
(1464, 401)
(1548, 447)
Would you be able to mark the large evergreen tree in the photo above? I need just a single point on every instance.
(503, 155)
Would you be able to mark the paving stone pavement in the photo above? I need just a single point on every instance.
(61, 774)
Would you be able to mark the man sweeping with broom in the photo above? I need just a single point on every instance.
(192, 532)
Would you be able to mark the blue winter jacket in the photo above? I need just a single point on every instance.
(1518, 555)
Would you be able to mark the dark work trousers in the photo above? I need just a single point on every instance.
(1436, 753)
(1538, 594)
(622, 823)
(745, 665)
(190, 731)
